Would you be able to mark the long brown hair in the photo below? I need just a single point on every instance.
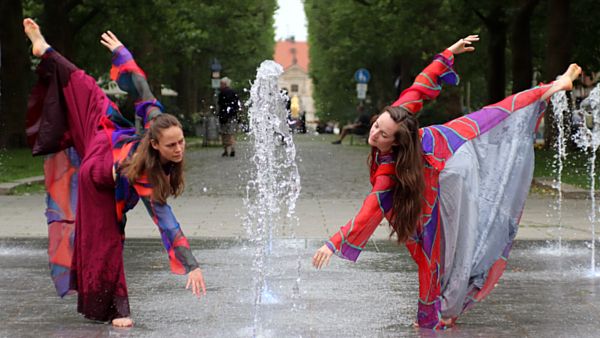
(146, 160)
(410, 182)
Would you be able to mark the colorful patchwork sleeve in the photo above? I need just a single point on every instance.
(428, 84)
(352, 237)
(177, 246)
(132, 79)
(125, 72)
(61, 170)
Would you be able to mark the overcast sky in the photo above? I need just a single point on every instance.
(290, 20)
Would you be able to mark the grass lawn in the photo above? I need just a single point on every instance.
(575, 168)
(27, 189)
(18, 163)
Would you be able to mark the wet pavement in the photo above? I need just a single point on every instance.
(542, 294)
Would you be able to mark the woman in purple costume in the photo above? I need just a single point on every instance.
(119, 166)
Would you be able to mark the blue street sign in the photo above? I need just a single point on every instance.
(362, 75)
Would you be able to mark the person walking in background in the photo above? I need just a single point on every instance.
(229, 106)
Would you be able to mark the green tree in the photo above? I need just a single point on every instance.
(14, 79)
(393, 39)
(173, 41)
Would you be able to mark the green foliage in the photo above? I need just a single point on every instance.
(170, 37)
(386, 37)
(585, 28)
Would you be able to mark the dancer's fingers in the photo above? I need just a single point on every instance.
(112, 35)
(195, 289)
(317, 260)
(314, 259)
(187, 286)
(203, 286)
(198, 289)
(110, 40)
(107, 43)
(324, 259)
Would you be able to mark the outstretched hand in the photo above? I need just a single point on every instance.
(110, 41)
(464, 45)
(321, 257)
(196, 282)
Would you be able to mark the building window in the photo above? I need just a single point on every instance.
(294, 88)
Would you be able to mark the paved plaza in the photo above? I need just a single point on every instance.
(544, 292)
(334, 183)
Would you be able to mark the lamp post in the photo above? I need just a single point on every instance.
(215, 83)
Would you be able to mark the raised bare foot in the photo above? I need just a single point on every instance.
(32, 30)
(122, 322)
(565, 81)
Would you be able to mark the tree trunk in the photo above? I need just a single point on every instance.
(187, 99)
(522, 64)
(496, 25)
(56, 27)
(558, 52)
(14, 74)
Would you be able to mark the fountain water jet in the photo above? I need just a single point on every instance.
(559, 107)
(588, 138)
(274, 183)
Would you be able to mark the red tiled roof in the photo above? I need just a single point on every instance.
(285, 50)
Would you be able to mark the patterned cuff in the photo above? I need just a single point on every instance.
(187, 259)
(142, 108)
(121, 55)
(346, 251)
(331, 246)
(449, 76)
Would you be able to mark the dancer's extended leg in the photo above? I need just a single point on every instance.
(84, 101)
(565, 81)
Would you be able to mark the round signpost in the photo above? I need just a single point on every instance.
(362, 77)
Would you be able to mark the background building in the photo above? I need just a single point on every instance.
(293, 56)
